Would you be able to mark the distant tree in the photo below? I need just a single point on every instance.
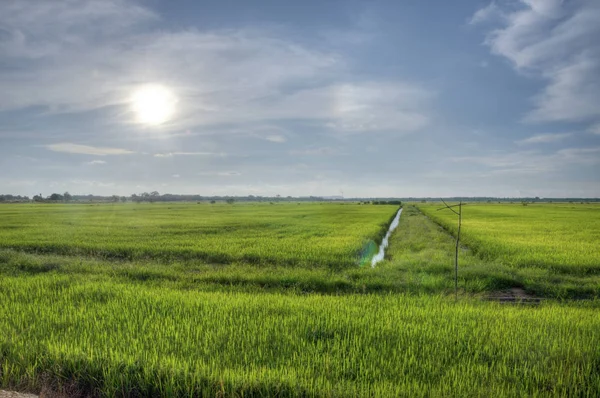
(212, 202)
(123, 199)
(56, 197)
(154, 195)
(114, 198)
(145, 196)
(67, 196)
(38, 198)
(230, 201)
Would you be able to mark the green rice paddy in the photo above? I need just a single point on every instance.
(250, 300)
(307, 234)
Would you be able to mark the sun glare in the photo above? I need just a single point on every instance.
(153, 104)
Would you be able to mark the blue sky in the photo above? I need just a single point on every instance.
(364, 98)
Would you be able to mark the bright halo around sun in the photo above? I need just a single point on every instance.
(153, 104)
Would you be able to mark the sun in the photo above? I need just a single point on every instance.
(153, 104)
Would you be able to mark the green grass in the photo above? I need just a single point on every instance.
(562, 237)
(421, 258)
(285, 234)
(119, 339)
(151, 300)
(196, 275)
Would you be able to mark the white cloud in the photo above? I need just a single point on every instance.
(28, 183)
(267, 132)
(38, 28)
(595, 129)
(532, 162)
(363, 107)
(171, 154)
(486, 14)
(90, 184)
(95, 162)
(320, 151)
(276, 138)
(221, 77)
(559, 42)
(544, 138)
(68, 147)
(220, 173)
(581, 155)
(176, 176)
(380, 106)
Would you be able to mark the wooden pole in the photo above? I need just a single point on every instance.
(456, 252)
(459, 214)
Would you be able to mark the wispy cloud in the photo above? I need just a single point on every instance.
(581, 155)
(320, 151)
(276, 138)
(365, 106)
(221, 77)
(96, 162)
(532, 162)
(220, 173)
(171, 154)
(544, 138)
(38, 28)
(268, 132)
(68, 147)
(595, 129)
(488, 13)
(560, 42)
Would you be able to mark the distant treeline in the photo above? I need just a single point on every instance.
(157, 197)
(14, 198)
(501, 200)
(386, 202)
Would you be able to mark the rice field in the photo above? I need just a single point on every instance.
(256, 300)
(421, 258)
(563, 237)
(115, 339)
(287, 234)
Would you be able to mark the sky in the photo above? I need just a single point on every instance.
(316, 97)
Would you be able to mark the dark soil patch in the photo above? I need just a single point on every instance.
(515, 295)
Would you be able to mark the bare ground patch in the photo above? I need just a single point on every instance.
(513, 295)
